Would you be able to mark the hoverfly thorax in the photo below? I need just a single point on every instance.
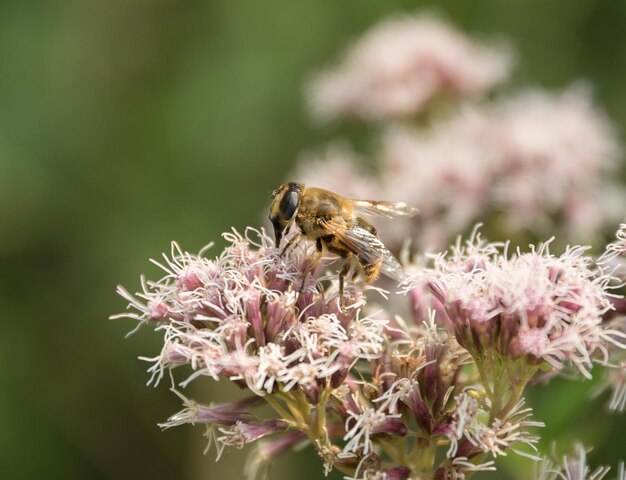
(286, 200)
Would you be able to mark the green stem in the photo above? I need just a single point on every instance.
(321, 432)
(280, 410)
(422, 456)
(395, 449)
(500, 387)
(484, 378)
(518, 390)
(295, 408)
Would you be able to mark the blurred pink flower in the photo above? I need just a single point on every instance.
(402, 65)
(443, 172)
(551, 151)
(337, 168)
(539, 160)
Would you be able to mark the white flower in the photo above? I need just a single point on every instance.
(367, 423)
(574, 467)
(465, 412)
(306, 373)
(398, 392)
(462, 465)
(614, 255)
(271, 362)
(503, 433)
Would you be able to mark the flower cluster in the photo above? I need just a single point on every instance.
(532, 161)
(255, 318)
(270, 323)
(532, 158)
(535, 307)
(404, 65)
(371, 394)
(535, 161)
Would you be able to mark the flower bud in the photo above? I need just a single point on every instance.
(398, 473)
(253, 314)
(420, 410)
(280, 315)
(391, 426)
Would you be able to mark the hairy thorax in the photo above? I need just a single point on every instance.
(317, 206)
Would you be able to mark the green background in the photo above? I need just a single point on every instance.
(127, 124)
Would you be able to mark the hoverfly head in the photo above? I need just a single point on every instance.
(285, 203)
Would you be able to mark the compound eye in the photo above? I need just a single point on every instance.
(288, 206)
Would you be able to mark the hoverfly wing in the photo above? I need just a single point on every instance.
(384, 209)
(368, 247)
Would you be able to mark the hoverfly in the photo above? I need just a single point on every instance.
(334, 223)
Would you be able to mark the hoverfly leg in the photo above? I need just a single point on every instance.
(309, 268)
(288, 245)
(344, 271)
(355, 274)
(341, 303)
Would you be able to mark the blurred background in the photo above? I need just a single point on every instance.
(126, 124)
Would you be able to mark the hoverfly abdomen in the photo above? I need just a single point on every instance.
(371, 271)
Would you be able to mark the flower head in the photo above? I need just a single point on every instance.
(337, 168)
(240, 316)
(534, 305)
(219, 414)
(361, 426)
(242, 433)
(404, 64)
(538, 159)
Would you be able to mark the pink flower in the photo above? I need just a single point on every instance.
(444, 172)
(558, 146)
(338, 169)
(240, 316)
(220, 413)
(360, 427)
(534, 305)
(614, 255)
(536, 159)
(401, 66)
(242, 433)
